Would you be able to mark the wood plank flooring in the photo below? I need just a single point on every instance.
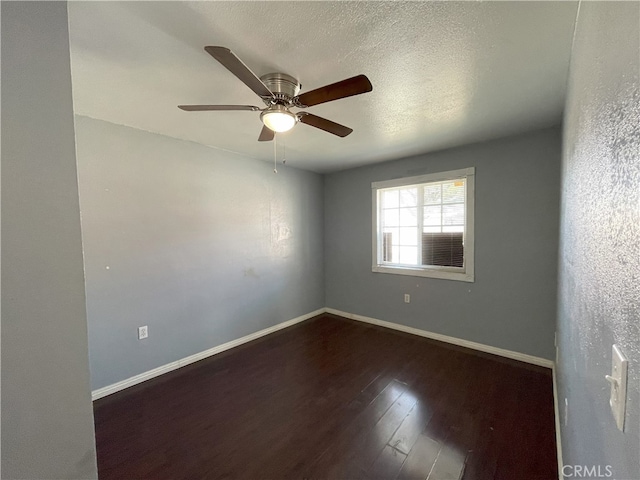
(332, 398)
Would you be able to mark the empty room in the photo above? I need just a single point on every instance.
(320, 240)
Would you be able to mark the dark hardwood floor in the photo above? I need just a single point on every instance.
(334, 398)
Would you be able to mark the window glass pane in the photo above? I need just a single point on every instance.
(395, 254)
(455, 228)
(409, 197)
(390, 198)
(432, 194)
(409, 236)
(453, 214)
(453, 192)
(408, 217)
(432, 215)
(432, 229)
(390, 217)
(392, 235)
(409, 255)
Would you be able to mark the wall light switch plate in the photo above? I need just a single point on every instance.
(618, 381)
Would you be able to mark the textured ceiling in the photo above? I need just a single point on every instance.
(443, 73)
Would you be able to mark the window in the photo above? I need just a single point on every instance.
(423, 225)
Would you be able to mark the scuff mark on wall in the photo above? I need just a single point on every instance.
(250, 272)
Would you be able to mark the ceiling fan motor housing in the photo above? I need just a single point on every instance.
(284, 87)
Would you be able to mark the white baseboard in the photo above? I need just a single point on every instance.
(522, 357)
(129, 382)
(558, 434)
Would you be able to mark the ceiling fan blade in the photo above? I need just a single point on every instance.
(345, 88)
(203, 108)
(266, 135)
(240, 70)
(324, 124)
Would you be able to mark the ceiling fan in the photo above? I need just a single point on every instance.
(279, 92)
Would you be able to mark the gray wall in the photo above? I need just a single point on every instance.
(512, 303)
(47, 418)
(201, 245)
(599, 286)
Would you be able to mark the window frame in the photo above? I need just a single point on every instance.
(465, 273)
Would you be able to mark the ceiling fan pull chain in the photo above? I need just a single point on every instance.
(275, 153)
(284, 151)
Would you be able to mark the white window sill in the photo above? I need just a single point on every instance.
(425, 272)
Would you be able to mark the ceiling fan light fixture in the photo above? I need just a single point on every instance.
(278, 119)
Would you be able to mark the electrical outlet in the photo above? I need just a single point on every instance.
(407, 298)
(143, 332)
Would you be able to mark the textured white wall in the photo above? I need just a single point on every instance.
(599, 283)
